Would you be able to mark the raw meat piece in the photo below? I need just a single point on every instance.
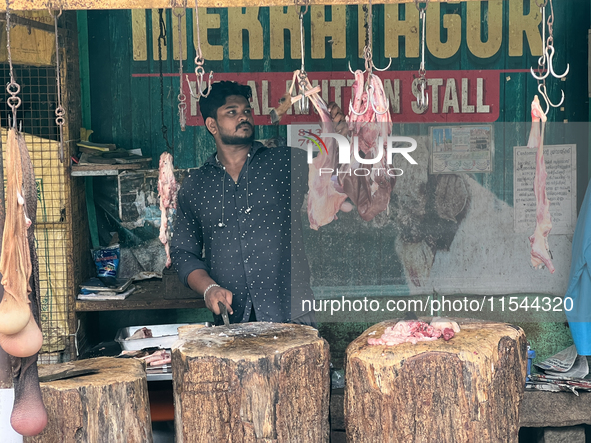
(414, 331)
(158, 358)
(140, 333)
(443, 323)
(167, 190)
(448, 334)
(540, 251)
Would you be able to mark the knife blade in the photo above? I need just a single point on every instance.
(224, 313)
(67, 374)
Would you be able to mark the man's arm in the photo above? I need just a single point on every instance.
(186, 247)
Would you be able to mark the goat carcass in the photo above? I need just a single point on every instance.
(540, 251)
(370, 121)
(324, 200)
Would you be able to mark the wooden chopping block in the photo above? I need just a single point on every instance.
(467, 389)
(252, 382)
(111, 406)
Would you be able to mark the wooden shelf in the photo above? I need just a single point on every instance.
(100, 170)
(148, 295)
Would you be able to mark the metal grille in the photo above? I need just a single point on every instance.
(53, 229)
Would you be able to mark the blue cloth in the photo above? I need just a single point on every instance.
(579, 287)
(257, 254)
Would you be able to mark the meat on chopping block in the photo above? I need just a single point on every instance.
(540, 251)
(167, 190)
(414, 331)
(255, 382)
(464, 390)
(110, 406)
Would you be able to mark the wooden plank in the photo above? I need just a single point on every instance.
(148, 295)
(31, 5)
(91, 210)
(120, 29)
(82, 22)
(99, 45)
(98, 167)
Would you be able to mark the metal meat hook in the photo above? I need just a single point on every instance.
(373, 104)
(423, 98)
(384, 69)
(550, 56)
(544, 94)
(362, 112)
(352, 72)
(200, 73)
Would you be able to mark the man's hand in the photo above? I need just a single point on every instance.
(338, 118)
(199, 280)
(215, 295)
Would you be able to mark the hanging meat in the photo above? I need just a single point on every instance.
(20, 335)
(167, 190)
(29, 416)
(370, 121)
(540, 251)
(325, 196)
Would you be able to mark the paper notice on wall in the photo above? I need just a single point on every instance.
(297, 133)
(561, 188)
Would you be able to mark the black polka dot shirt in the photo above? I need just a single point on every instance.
(258, 254)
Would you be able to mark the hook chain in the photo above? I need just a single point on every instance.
(13, 88)
(162, 39)
(547, 57)
(181, 97)
(303, 75)
(199, 61)
(59, 111)
(422, 96)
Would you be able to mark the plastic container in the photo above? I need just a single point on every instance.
(531, 354)
(163, 336)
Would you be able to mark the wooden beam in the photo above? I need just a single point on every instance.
(30, 5)
(16, 20)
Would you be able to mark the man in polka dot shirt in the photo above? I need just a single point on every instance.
(238, 235)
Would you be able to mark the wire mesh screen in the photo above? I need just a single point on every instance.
(53, 230)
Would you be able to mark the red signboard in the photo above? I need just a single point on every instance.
(454, 96)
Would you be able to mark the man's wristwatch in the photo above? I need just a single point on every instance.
(213, 285)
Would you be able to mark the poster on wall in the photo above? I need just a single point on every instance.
(561, 188)
(457, 149)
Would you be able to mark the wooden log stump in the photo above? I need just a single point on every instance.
(467, 389)
(108, 407)
(251, 382)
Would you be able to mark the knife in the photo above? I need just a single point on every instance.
(67, 374)
(224, 312)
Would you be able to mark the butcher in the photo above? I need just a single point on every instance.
(238, 232)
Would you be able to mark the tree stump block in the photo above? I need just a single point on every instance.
(251, 382)
(467, 389)
(108, 407)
